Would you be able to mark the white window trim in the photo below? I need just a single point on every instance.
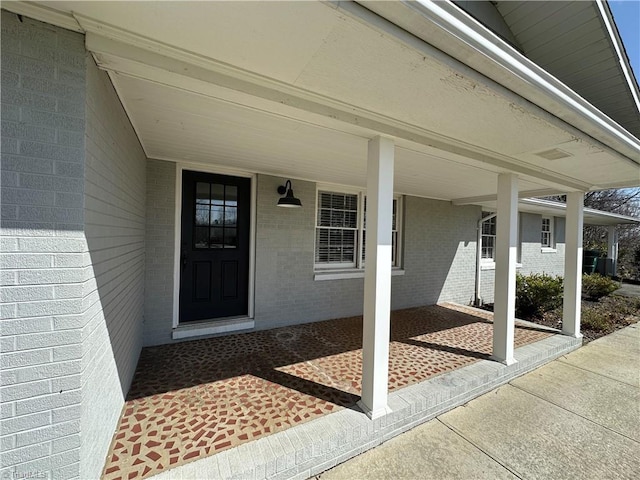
(324, 271)
(552, 248)
(491, 265)
(344, 274)
(488, 263)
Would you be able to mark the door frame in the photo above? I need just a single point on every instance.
(196, 167)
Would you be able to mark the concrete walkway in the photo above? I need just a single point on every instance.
(576, 417)
(628, 290)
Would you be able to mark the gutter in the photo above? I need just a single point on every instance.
(453, 31)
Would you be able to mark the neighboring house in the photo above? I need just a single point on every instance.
(143, 145)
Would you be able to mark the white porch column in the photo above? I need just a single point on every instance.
(506, 255)
(573, 265)
(377, 278)
(612, 250)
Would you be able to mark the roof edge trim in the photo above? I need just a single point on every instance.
(43, 14)
(618, 45)
(515, 71)
(539, 202)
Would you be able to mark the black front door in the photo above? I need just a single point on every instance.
(214, 276)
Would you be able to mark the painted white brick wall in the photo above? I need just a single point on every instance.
(532, 258)
(43, 123)
(439, 259)
(113, 294)
(158, 307)
(285, 290)
(73, 223)
(439, 254)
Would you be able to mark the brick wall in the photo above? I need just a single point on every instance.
(286, 292)
(43, 123)
(73, 207)
(158, 306)
(113, 294)
(439, 253)
(534, 259)
(439, 263)
(439, 256)
(531, 256)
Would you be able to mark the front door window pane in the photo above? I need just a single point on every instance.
(230, 238)
(201, 237)
(216, 216)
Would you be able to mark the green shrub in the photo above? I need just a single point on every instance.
(536, 294)
(595, 320)
(595, 286)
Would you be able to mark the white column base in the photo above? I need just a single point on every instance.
(374, 414)
(507, 362)
(571, 334)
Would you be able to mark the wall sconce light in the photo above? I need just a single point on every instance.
(288, 200)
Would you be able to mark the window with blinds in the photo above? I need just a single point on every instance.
(394, 233)
(341, 230)
(337, 229)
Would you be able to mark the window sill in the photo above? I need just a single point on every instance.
(492, 266)
(321, 275)
(548, 250)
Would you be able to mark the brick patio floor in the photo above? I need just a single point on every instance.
(194, 399)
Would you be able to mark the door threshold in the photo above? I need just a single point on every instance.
(212, 327)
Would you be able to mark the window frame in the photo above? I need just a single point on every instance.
(494, 220)
(357, 229)
(551, 232)
(358, 265)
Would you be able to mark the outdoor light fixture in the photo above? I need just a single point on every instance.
(288, 200)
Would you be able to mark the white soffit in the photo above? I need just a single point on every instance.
(178, 125)
(453, 31)
(341, 74)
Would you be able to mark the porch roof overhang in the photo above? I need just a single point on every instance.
(582, 46)
(558, 209)
(258, 87)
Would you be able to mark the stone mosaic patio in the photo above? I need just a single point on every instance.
(194, 399)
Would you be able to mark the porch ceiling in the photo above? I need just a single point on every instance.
(259, 87)
(178, 125)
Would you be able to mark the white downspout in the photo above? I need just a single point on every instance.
(477, 301)
(612, 250)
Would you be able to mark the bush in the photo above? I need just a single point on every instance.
(595, 320)
(536, 294)
(595, 286)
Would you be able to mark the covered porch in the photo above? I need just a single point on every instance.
(354, 99)
(266, 392)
